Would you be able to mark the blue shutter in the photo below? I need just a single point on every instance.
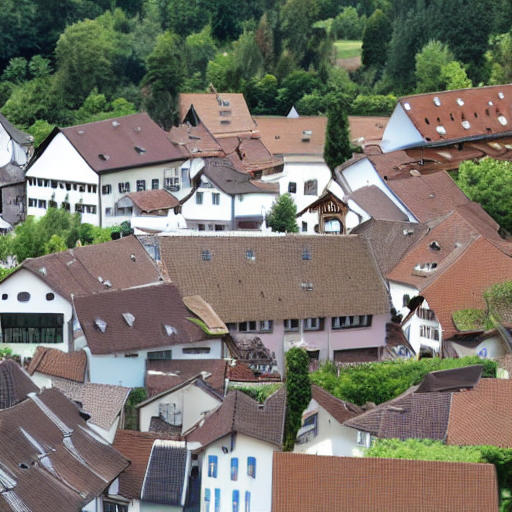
(212, 466)
(236, 500)
(251, 466)
(234, 468)
(207, 500)
(217, 500)
(247, 501)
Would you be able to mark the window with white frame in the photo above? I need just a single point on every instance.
(172, 179)
(429, 332)
(351, 322)
(110, 506)
(425, 314)
(363, 439)
(248, 326)
(291, 325)
(266, 326)
(32, 202)
(313, 324)
(215, 198)
(41, 203)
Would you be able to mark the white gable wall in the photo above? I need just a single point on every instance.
(10, 150)
(400, 132)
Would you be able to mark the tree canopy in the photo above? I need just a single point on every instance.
(282, 216)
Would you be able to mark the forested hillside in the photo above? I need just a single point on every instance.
(65, 62)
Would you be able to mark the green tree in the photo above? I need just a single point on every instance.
(39, 67)
(40, 130)
(429, 62)
(489, 182)
(348, 24)
(295, 85)
(261, 95)
(200, 48)
(282, 215)
(454, 76)
(376, 36)
(337, 138)
(298, 393)
(499, 59)
(16, 71)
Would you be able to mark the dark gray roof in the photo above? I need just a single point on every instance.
(166, 473)
(451, 380)
(11, 173)
(22, 138)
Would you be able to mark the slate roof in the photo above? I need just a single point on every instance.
(284, 135)
(166, 476)
(77, 271)
(135, 446)
(103, 402)
(163, 376)
(390, 240)
(376, 204)
(340, 410)
(122, 143)
(241, 413)
(153, 200)
(226, 178)
(346, 484)
(15, 384)
(56, 363)
(136, 319)
(22, 138)
(57, 459)
(269, 286)
(486, 110)
(222, 113)
(483, 415)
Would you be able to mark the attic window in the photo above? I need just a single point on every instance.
(407, 106)
(115, 124)
(103, 157)
(437, 102)
(249, 254)
(501, 95)
(100, 324)
(466, 125)
(435, 246)
(460, 102)
(23, 297)
(129, 319)
(306, 254)
(441, 130)
(502, 119)
(206, 255)
(225, 121)
(306, 135)
(139, 150)
(43, 271)
(225, 103)
(170, 330)
(225, 113)
(426, 267)
(308, 287)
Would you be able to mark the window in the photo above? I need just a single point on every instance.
(429, 332)
(108, 212)
(155, 184)
(109, 506)
(81, 188)
(236, 500)
(313, 324)
(306, 254)
(251, 466)
(291, 325)
(141, 185)
(247, 501)
(212, 466)
(91, 189)
(196, 350)
(32, 181)
(124, 187)
(42, 203)
(363, 439)
(266, 326)
(249, 254)
(23, 297)
(207, 500)
(199, 197)
(106, 189)
(160, 355)
(50, 296)
(247, 327)
(405, 300)
(5, 296)
(52, 204)
(310, 188)
(201, 227)
(304, 227)
(215, 198)
(89, 208)
(292, 187)
(66, 206)
(351, 322)
(219, 227)
(217, 499)
(206, 255)
(79, 207)
(425, 314)
(32, 327)
(234, 468)
(32, 202)
(55, 184)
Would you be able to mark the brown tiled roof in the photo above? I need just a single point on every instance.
(277, 283)
(208, 107)
(412, 415)
(56, 363)
(226, 178)
(15, 384)
(346, 484)
(482, 108)
(369, 127)
(57, 459)
(505, 362)
(339, 409)
(135, 446)
(164, 375)
(152, 308)
(483, 415)
(284, 135)
(195, 141)
(389, 240)
(123, 142)
(103, 402)
(240, 372)
(123, 263)
(241, 413)
(376, 204)
(153, 200)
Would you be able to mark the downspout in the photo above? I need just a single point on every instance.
(100, 213)
(233, 212)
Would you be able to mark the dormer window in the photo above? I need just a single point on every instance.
(206, 255)
(426, 267)
(169, 330)
(100, 324)
(129, 319)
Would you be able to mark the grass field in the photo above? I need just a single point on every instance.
(347, 49)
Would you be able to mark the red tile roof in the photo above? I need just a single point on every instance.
(482, 416)
(370, 128)
(376, 203)
(153, 200)
(248, 154)
(121, 143)
(345, 484)
(195, 141)
(56, 363)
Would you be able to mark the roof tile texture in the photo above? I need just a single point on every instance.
(152, 200)
(376, 204)
(339, 409)
(56, 363)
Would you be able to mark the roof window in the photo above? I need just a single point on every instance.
(441, 130)
(308, 287)
(206, 255)
(137, 130)
(451, 117)
(306, 135)
(107, 284)
(115, 124)
(501, 95)
(503, 120)
(225, 121)
(129, 319)
(426, 267)
(437, 101)
(249, 254)
(80, 132)
(490, 103)
(100, 324)
(407, 106)
(43, 271)
(306, 254)
(170, 330)
(435, 246)
(466, 125)
(139, 150)
(460, 102)
(103, 157)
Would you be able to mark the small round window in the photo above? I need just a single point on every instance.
(5, 296)
(23, 296)
(50, 296)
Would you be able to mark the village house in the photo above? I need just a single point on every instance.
(348, 484)
(235, 446)
(276, 288)
(110, 159)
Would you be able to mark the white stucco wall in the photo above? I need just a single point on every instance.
(11, 151)
(412, 331)
(400, 132)
(207, 212)
(26, 281)
(259, 487)
(397, 292)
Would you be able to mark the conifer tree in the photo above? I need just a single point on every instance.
(282, 216)
(337, 138)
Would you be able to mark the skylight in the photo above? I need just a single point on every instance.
(129, 319)
(100, 324)
(103, 157)
(503, 120)
(466, 125)
(139, 150)
(407, 106)
(437, 102)
(460, 102)
(170, 330)
(501, 95)
(441, 130)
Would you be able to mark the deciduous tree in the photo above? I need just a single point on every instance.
(282, 216)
